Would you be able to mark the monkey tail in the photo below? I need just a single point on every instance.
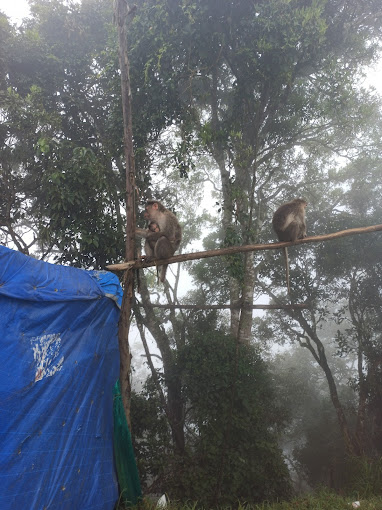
(287, 268)
(163, 273)
(157, 268)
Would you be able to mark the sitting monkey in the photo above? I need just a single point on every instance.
(289, 224)
(163, 238)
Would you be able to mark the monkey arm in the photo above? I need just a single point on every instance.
(147, 234)
(154, 236)
(142, 232)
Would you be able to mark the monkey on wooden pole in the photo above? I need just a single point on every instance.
(163, 236)
(289, 224)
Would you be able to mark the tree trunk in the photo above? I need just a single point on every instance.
(245, 325)
(318, 353)
(320, 356)
(121, 12)
(171, 377)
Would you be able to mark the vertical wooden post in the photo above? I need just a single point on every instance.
(121, 11)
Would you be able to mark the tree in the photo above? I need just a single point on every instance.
(60, 116)
(312, 442)
(340, 281)
(258, 86)
(227, 395)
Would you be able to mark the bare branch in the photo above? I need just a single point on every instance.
(229, 307)
(242, 249)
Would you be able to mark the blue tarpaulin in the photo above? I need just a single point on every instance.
(59, 362)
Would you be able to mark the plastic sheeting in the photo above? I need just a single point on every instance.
(128, 478)
(59, 362)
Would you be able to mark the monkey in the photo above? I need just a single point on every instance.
(151, 234)
(289, 224)
(162, 243)
(150, 239)
(153, 226)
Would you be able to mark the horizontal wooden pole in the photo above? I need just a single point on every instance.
(241, 249)
(227, 307)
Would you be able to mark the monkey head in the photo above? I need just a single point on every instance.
(300, 202)
(152, 209)
(153, 226)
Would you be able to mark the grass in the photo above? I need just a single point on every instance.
(322, 500)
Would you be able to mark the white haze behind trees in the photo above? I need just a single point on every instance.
(16, 10)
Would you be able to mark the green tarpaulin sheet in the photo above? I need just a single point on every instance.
(128, 479)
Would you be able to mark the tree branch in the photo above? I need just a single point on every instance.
(242, 249)
(228, 307)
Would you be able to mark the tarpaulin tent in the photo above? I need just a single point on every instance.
(59, 362)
